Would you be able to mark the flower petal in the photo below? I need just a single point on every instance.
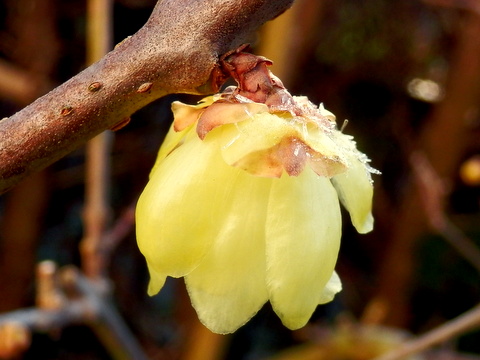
(333, 287)
(186, 115)
(181, 210)
(172, 140)
(355, 190)
(265, 144)
(157, 280)
(222, 113)
(228, 287)
(303, 232)
(258, 132)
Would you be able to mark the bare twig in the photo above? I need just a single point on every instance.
(33, 51)
(47, 320)
(432, 191)
(174, 52)
(97, 185)
(20, 225)
(19, 85)
(465, 322)
(97, 212)
(443, 141)
(106, 322)
(84, 304)
(286, 40)
(110, 239)
(48, 294)
(33, 54)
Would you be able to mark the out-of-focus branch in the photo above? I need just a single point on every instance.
(443, 142)
(69, 298)
(175, 52)
(433, 193)
(33, 53)
(468, 321)
(111, 238)
(19, 85)
(97, 212)
(432, 189)
(285, 40)
(106, 322)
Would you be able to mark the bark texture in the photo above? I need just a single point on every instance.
(175, 52)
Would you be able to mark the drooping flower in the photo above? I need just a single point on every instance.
(243, 202)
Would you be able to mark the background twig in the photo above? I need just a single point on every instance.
(465, 322)
(97, 212)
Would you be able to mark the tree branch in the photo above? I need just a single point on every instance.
(467, 321)
(69, 298)
(175, 52)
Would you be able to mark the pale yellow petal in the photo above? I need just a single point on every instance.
(303, 232)
(327, 114)
(186, 115)
(261, 131)
(246, 142)
(355, 190)
(180, 211)
(323, 142)
(333, 287)
(157, 280)
(222, 113)
(172, 140)
(228, 287)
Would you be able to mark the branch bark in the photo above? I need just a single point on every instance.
(175, 52)
(443, 141)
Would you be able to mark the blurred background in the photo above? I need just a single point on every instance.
(406, 74)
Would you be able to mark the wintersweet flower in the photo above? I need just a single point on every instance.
(243, 202)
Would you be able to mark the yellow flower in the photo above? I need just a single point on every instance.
(243, 202)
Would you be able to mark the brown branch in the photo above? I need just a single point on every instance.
(432, 190)
(119, 231)
(175, 52)
(105, 321)
(286, 40)
(82, 303)
(467, 321)
(96, 257)
(20, 86)
(33, 54)
(443, 142)
(97, 212)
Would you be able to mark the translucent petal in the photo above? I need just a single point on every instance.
(333, 287)
(172, 140)
(324, 143)
(355, 191)
(260, 132)
(222, 113)
(324, 112)
(246, 142)
(186, 115)
(182, 208)
(157, 280)
(303, 232)
(228, 287)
